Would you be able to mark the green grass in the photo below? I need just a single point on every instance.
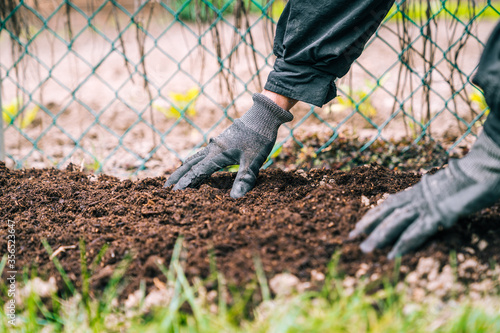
(331, 309)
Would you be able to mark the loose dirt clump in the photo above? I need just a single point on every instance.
(293, 221)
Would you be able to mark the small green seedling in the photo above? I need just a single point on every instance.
(12, 110)
(479, 102)
(181, 103)
(477, 99)
(29, 117)
(277, 8)
(94, 166)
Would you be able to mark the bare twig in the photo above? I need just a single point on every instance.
(120, 38)
(62, 248)
(141, 41)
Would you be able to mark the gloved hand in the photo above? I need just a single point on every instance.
(247, 142)
(437, 201)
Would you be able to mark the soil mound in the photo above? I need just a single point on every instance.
(294, 222)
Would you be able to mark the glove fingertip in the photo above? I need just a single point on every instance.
(354, 233)
(179, 187)
(393, 254)
(364, 225)
(236, 195)
(367, 247)
(169, 182)
(238, 190)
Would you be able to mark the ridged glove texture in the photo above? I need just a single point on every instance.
(247, 142)
(410, 217)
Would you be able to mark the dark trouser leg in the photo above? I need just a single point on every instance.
(488, 78)
(317, 41)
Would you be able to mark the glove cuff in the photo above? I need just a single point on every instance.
(265, 117)
(482, 163)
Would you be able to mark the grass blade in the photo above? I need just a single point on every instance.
(59, 267)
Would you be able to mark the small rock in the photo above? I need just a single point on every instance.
(418, 295)
(427, 267)
(474, 239)
(443, 283)
(284, 284)
(470, 250)
(365, 201)
(304, 286)
(158, 298)
(92, 178)
(349, 282)
(481, 287)
(266, 309)
(401, 287)
(363, 268)
(412, 278)
(482, 245)
(45, 289)
(317, 276)
(301, 173)
(211, 296)
(468, 268)
(133, 300)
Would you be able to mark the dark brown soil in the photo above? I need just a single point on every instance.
(293, 223)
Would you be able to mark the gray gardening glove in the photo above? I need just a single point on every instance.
(409, 218)
(247, 142)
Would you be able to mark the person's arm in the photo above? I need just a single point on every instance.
(467, 185)
(316, 42)
(247, 142)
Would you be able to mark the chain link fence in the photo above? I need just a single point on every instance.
(135, 86)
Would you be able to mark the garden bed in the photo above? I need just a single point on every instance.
(293, 221)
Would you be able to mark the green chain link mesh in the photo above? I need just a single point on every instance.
(130, 86)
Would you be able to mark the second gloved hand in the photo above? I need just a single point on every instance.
(247, 142)
(409, 218)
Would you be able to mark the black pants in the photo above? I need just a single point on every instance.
(488, 78)
(317, 41)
